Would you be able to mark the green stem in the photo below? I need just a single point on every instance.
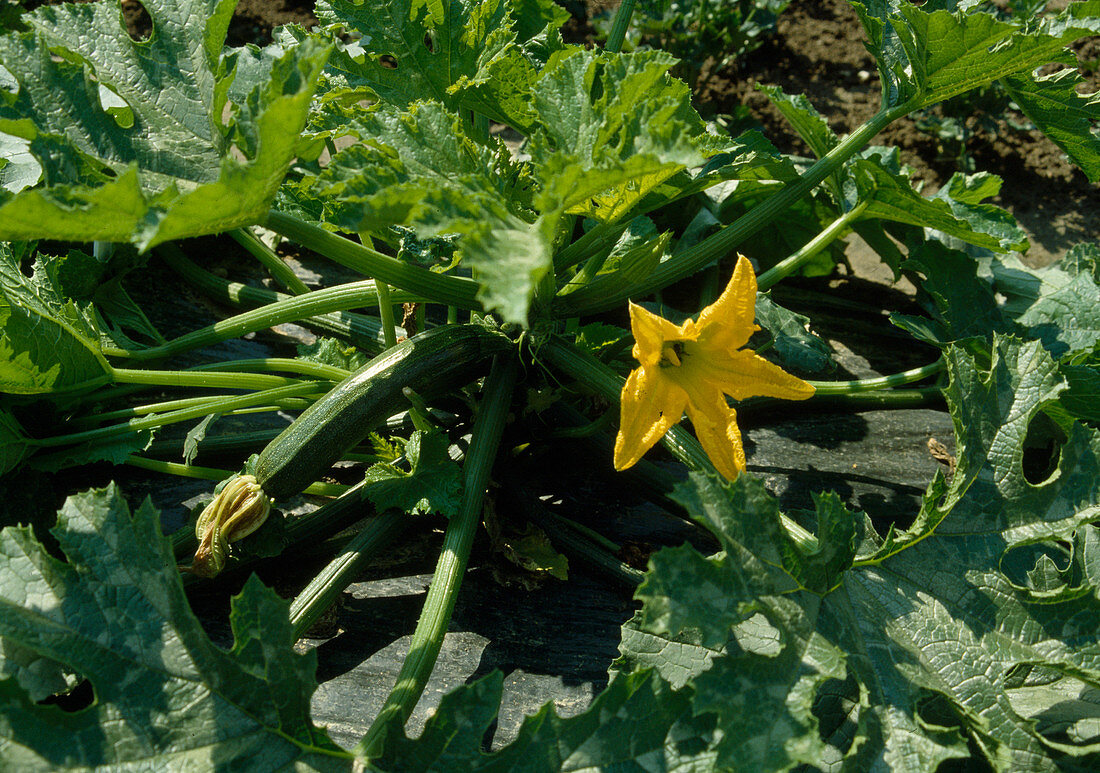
(439, 288)
(323, 590)
(172, 405)
(879, 382)
(577, 541)
(292, 309)
(264, 397)
(272, 262)
(284, 364)
(619, 26)
(200, 380)
(385, 305)
(594, 374)
(362, 330)
(440, 600)
(788, 266)
(722, 243)
(214, 473)
(601, 238)
(233, 443)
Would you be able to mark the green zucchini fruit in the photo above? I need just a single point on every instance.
(431, 363)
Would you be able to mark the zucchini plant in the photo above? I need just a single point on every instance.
(375, 143)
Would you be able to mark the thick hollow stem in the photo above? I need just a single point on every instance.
(880, 382)
(264, 397)
(272, 262)
(285, 364)
(364, 331)
(619, 26)
(209, 401)
(725, 241)
(439, 288)
(319, 595)
(292, 309)
(200, 379)
(440, 601)
(214, 473)
(788, 266)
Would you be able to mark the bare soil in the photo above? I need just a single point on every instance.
(818, 50)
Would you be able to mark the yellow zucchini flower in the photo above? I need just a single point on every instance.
(694, 366)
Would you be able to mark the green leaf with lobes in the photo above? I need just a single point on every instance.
(1064, 114)
(410, 51)
(421, 169)
(433, 483)
(116, 614)
(130, 134)
(612, 128)
(46, 345)
(929, 53)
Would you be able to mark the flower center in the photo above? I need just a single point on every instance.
(671, 354)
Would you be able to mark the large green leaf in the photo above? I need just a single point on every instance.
(612, 128)
(411, 50)
(420, 168)
(955, 209)
(166, 696)
(46, 345)
(929, 642)
(132, 135)
(944, 48)
(433, 483)
(1064, 114)
(637, 725)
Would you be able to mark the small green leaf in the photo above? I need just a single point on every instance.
(799, 348)
(965, 306)
(13, 445)
(113, 449)
(954, 210)
(433, 483)
(195, 436)
(329, 351)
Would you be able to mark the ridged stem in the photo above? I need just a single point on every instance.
(439, 288)
(363, 330)
(272, 262)
(291, 309)
(264, 397)
(879, 382)
(323, 590)
(619, 25)
(725, 241)
(810, 249)
(439, 603)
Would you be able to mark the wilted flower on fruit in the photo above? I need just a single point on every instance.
(694, 367)
(239, 509)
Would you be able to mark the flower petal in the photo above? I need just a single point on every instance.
(745, 374)
(728, 322)
(651, 403)
(716, 427)
(650, 334)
